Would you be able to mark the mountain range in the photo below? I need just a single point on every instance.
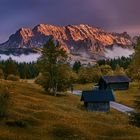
(77, 40)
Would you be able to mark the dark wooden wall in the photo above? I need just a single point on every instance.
(98, 106)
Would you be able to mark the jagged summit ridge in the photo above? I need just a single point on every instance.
(73, 38)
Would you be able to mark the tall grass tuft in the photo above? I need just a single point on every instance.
(12, 77)
(4, 100)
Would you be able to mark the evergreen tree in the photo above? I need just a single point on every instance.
(10, 68)
(76, 66)
(134, 71)
(122, 62)
(53, 56)
(23, 70)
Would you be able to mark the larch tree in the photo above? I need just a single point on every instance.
(53, 56)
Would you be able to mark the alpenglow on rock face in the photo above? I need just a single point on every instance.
(75, 39)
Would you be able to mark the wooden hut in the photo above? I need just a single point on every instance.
(114, 82)
(97, 100)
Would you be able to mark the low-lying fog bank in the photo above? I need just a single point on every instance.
(21, 58)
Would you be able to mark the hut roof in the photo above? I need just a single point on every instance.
(97, 96)
(116, 79)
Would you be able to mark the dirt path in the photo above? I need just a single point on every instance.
(121, 108)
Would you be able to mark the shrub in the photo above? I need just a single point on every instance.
(12, 77)
(89, 75)
(43, 81)
(4, 100)
(17, 123)
(84, 75)
(1, 74)
(135, 119)
(39, 79)
(135, 116)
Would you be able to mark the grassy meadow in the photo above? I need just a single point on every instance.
(34, 115)
(127, 97)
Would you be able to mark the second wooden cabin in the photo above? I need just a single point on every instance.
(114, 82)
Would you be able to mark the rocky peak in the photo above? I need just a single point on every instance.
(73, 38)
(22, 35)
(45, 29)
(25, 34)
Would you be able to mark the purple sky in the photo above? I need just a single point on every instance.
(111, 15)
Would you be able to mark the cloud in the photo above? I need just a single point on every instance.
(117, 52)
(21, 58)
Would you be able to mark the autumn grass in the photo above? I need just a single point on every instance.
(88, 86)
(127, 97)
(4, 100)
(34, 115)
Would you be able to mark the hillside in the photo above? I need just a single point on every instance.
(83, 40)
(59, 118)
